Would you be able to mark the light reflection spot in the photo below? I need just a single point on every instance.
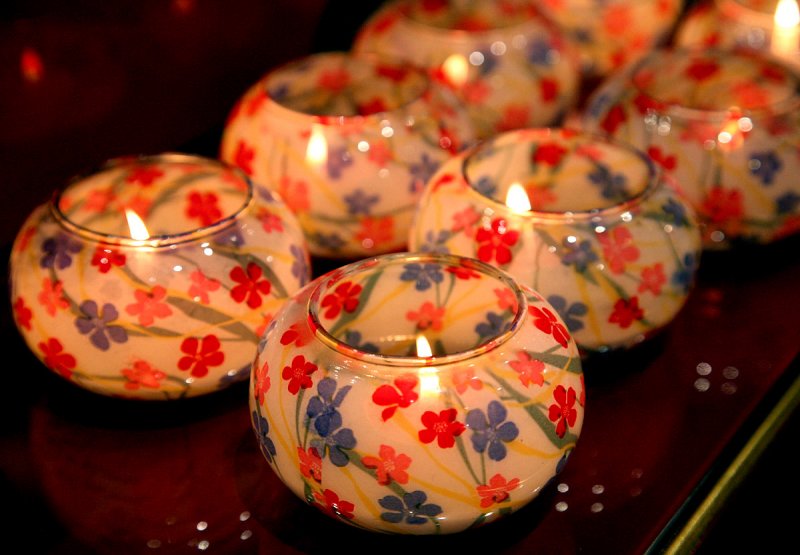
(728, 388)
(246, 535)
(597, 489)
(561, 506)
(637, 473)
(717, 236)
(202, 525)
(562, 487)
(597, 507)
(476, 58)
(730, 372)
(702, 385)
(154, 544)
(203, 545)
(387, 132)
(363, 146)
(244, 516)
(704, 369)
(498, 48)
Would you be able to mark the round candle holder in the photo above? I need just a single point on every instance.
(154, 277)
(504, 61)
(348, 142)
(609, 34)
(585, 221)
(724, 126)
(417, 394)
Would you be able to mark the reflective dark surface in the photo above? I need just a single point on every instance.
(84, 474)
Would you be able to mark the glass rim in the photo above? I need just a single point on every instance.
(369, 264)
(654, 179)
(450, 35)
(155, 241)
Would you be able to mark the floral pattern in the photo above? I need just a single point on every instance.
(365, 442)
(171, 319)
(614, 252)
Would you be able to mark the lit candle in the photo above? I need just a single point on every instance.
(786, 29)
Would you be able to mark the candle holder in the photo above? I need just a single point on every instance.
(585, 221)
(153, 277)
(348, 142)
(724, 126)
(609, 34)
(417, 394)
(506, 62)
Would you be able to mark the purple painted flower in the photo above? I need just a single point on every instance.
(765, 165)
(612, 186)
(436, 243)
(540, 53)
(677, 211)
(329, 241)
(300, 268)
(569, 313)
(579, 254)
(494, 325)
(491, 432)
(261, 428)
(323, 413)
(424, 275)
(353, 338)
(338, 159)
(96, 324)
(787, 203)
(411, 507)
(58, 251)
(421, 172)
(360, 202)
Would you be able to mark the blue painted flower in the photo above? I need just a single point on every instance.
(338, 159)
(330, 241)
(677, 211)
(412, 508)
(569, 313)
(494, 326)
(489, 62)
(231, 236)
(422, 171)
(787, 203)
(684, 277)
(323, 412)
(612, 186)
(579, 254)
(540, 52)
(436, 243)
(486, 186)
(300, 268)
(491, 432)
(96, 323)
(353, 338)
(58, 251)
(359, 202)
(424, 274)
(765, 165)
(261, 428)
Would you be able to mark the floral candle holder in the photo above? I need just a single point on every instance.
(724, 126)
(770, 27)
(154, 276)
(348, 142)
(585, 221)
(417, 394)
(506, 63)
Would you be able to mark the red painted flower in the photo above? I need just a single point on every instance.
(626, 311)
(298, 333)
(388, 465)
(294, 194)
(375, 105)
(375, 231)
(701, 69)
(104, 258)
(723, 205)
(344, 297)
(203, 207)
(200, 355)
(149, 305)
(549, 153)
(310, 463)
(548, 88)
(618, 248)
(143, 175)
(330, 503)
(465, 220)
(243, 157)
(142, 374)
(546, 321)
(391, 398)
(299, 374)
(269, 221)
(463, 273)
(201, 286)
(613, 119)
(428, 316)
(334, 79)
(563, 411)
(530, 370)
(51, 297)
(442, 427)
(506, 299)
(261, 383)
(497, 490)
(665, 161)
(653, 279)
(465, 378)
(56, 359)
(22, 313)
(514, 117)
(251, 286)
(495, 243)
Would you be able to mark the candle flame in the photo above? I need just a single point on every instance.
(136, 226)
(517, 199)
(428, 377)
(317, 149)
(787, 14)
(455, 68)
(423, 347)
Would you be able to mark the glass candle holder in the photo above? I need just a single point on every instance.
(417, 394)
(585, 221)
(348, 142)
(609, 34)
(770, 27)
(506, 62)
(154, 276)
(724, 126)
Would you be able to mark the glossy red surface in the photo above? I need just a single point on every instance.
(86, 474)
